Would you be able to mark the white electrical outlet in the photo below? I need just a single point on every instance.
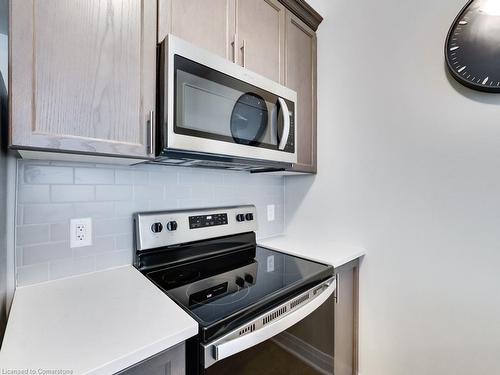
(80, 232)
(270, 212)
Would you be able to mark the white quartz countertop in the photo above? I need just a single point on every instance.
(97, 323)
(318, 248)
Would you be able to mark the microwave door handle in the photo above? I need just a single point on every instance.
(286, 124)
(228, 348)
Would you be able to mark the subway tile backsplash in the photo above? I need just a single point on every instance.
(51, 193)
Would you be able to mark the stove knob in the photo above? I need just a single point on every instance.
(240, 282)
(249, 278)
(249, 216)
(240, 217)
(172, 225)
(156, 227)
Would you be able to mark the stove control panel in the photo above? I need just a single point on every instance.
(244, 217)
(172, 225)
(202, 221)
(165, 228)
(156, 227)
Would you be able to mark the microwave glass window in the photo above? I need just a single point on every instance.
(249, 119)
(213, 105)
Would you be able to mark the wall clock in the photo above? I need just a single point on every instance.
(473, 46)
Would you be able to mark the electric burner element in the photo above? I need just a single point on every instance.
(214, 293)
(207, 289)
(211, 267)
(185, 275)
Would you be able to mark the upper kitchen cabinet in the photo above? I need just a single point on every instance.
(300, 75)
(260, 37)
(247, 32)
(207, 24)
(275, 38)
(83, 76)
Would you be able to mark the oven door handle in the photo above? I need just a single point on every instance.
(228, 348)
(286, 123)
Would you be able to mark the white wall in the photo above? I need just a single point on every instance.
(409, 169)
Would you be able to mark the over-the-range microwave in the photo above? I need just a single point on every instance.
(215, 113)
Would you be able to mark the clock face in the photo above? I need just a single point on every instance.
(473, 46)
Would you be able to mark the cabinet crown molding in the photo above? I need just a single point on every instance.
(304, 11)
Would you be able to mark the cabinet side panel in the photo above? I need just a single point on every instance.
(344, 324)
(21, 71)
(301, 77)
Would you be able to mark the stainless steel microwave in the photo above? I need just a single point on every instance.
(214, 113)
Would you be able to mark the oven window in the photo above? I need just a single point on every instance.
(212, 105)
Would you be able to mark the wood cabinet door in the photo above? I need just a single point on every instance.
(300, 75)
(83, 75)
(205, 23)
(260, 30)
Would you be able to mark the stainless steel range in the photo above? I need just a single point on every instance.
(241, 294)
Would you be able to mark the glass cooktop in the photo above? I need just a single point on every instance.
(222, 291)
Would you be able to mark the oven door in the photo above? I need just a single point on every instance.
(218, 107)
(280, 340)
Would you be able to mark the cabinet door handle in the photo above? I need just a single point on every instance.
(337, 290)
(233, 46)
(151, 133)
(243, 52)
